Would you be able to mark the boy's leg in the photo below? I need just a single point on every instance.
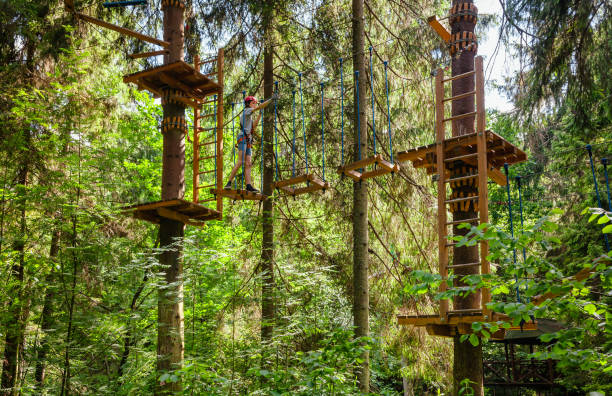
(236, 167)
(247, 170)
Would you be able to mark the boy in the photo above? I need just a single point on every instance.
(245, 139)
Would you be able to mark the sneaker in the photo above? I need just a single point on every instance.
(250, 188)
(228, 186)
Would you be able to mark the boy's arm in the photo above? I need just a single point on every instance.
(267, 102)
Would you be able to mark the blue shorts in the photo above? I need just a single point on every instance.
(243, 145)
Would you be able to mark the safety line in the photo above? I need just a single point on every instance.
(518, 295)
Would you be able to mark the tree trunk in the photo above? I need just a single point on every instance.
(14, 325)
(267, 245)
(360, 202)
(467, 358)
(170, 332)
(47, 312)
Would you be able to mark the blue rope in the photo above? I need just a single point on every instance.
(233, 143)
(589, 149)
(293, 145)
(275, 133)
(262, 151)
(388, 112)
(604, 162)
(303, 124)
(358, 118)
(372, 92)
(518, 182)
(518, 295)
(342, 113)
(246, 142)
(322, 132)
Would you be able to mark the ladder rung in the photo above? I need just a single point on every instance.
(455, 243)
(207, 200)
(206, 129)
(209, 101)
(206, 115)
(460, 157)
(207, 172)
(467, 310)
(207, 143)
(462, 221)
(211, 74)
(458, 76)
(457, 97)
(460, 116)
(207, 158)
(463, 265)
(208, 185)
(462, 199)
(461, 178)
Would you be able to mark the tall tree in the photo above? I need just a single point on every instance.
(170, 333)
(467, 358)
(361, 296)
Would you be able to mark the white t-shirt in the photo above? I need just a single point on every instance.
(246, 121)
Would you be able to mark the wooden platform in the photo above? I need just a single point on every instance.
(176, 209)
(458, 324)
(238, 195)
(313, 183)
(463, 148)
(177, 75)
(382, 168)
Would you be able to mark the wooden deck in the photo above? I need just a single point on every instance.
(463, 148)
(313, 183)
(176, 209)
(177, 75)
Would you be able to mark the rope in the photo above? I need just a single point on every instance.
(293, 145)
(604, 162)
(372, 92)
(341, 114)
(247, 143)
(358, 117)
(303, 124)
(388, 111)
(518, 183)
(322, 132)
(589, 149)
(261, 147)
(233, 144)
(518, 295)
(275, 131)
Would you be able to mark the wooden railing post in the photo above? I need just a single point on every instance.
(219, 131)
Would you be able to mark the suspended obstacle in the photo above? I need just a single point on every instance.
(465, 163)
(126, 3)
(183, 84)
(313, 183)
(357, 170)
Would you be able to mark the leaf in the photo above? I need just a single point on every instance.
(603, 220)
(593, 217)
(474, 340)
(590, 309)
(607, 229)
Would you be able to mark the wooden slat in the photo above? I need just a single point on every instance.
(174, 83)
(483, 168)
(122, 30)
(461, 96)
(360, 164)
(153, 205)
(388, 166)
(460, 116)
(462, 221)
(374, 173)
(293, 180)
(149, 72)
(356, 176)
(148, 54)
(442, 231)
(287, 190)
(313, 187)
(458, 76)
(172, 215)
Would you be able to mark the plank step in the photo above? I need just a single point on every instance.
(461, 178)
(207, 158)
(206, 129)
(474, 198)
(460, 116)
(207, 143)
(208, 185)
(206, 116)
(457, 97)
(463, 221)
(463, 265)
(207, 172)
(458, 76)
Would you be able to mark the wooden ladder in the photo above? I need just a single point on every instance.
(481, 196)
(208, 140)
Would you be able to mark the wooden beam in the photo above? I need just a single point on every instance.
(437, 26)
(293, 180)
(145, 73)
(440, 330)
(356, 176)
(361, 163)
(148, 54)
(172, 215)
(374, 173)
(122, 30)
